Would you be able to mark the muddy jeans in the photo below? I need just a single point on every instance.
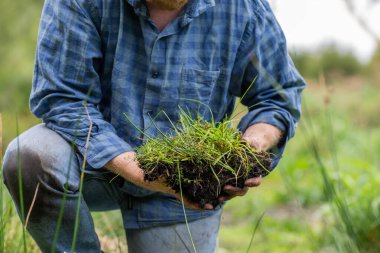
(47, 161)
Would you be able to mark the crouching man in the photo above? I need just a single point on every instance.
(98, 60)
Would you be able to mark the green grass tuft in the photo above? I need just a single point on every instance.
(209, 157)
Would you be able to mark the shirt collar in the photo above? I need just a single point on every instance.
(139, 7)
(134, 2)
(193, 9)
(196, 7)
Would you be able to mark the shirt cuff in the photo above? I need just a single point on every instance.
(103, 145)
(102, 148)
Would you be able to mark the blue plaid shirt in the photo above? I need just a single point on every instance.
(111, 55)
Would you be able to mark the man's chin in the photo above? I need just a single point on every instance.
(168, 5)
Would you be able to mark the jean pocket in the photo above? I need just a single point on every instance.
(101, 175)
(101, 190)
(135, 190)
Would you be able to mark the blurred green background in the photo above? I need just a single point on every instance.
(324, 195)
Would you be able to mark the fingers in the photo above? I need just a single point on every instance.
(231, 191)
(208, 207)
(225, 198)
(192, 205)
(235, 191)
(253, 182)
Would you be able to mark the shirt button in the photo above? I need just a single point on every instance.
(155, 74)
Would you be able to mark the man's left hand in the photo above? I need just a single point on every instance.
(262, 137)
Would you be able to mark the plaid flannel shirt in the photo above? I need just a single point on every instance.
(110, 57)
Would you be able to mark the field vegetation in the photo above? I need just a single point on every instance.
(323, 196)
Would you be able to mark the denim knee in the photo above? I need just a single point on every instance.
(40, 155)
(10, 165)
(11, 169)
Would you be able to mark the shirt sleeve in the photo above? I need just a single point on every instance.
(66, 90)
(270, 86)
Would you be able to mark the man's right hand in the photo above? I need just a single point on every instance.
(127, 167)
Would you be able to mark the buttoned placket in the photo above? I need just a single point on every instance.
(156, 53)
(155, 44)
(154, 81)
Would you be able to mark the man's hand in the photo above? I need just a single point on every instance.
(127, 167)
(262, 137)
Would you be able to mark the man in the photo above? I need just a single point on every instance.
(98, 60)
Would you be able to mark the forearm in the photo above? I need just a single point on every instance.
(126, 166)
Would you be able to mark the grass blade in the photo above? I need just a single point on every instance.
(254, 231)
(73, 245)
(62, 207)
(136, 127)
(1, 139)
(184, 209)
(21, 194)
(204, 104)
(31, 206)
(336, 200)
(2, 220)
(249, 87)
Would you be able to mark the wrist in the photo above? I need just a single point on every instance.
(127, 167)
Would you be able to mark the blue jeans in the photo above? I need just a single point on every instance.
(49, 161)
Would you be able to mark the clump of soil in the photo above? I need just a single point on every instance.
(201, 159)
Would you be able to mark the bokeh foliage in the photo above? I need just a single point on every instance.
(300, 215)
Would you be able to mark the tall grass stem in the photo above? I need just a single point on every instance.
(31, 206)
(337, 201)
(184, 209)
(63, 203)
(2, 220)
(258, 222)
(20, 188)
(1, 139)
(81, 181)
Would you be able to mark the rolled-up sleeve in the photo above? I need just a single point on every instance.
(270, 86)
(66, 86)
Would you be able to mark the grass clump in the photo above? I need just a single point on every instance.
(201, 158)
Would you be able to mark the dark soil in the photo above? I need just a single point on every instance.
(199, 184)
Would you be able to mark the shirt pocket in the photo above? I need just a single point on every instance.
(196, 89)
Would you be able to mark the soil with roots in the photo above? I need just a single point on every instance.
(203, 184)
